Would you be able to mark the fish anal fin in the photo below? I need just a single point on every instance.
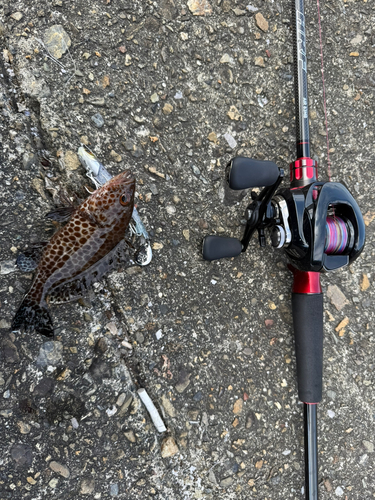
(79, 285)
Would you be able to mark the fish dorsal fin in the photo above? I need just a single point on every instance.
(28, 260)
(62, 214)
(78, 286)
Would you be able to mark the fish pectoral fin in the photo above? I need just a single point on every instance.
(28, 260)
(62, 214)
(78, 286)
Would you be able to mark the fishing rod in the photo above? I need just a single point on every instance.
(320, 228)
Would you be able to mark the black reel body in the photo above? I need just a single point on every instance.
(319, 226)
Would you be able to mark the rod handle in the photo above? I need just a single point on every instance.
(220, 247)
(245, 173)
(308, 334)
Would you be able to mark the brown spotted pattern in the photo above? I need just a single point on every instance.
(85, 247)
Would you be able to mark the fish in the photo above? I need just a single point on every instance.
(90, 245)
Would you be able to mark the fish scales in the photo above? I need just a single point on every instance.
(86, 246)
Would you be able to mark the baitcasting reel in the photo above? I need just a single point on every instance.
(319, 225)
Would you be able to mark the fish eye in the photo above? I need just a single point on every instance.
(124, 199)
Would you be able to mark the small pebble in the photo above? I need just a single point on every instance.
(98, 120)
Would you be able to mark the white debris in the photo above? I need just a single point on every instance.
(331, 413)
(339, 491)
(230, 140)
(154, 414)
(111, 411)
(74, 422)
(158, 335)
(287, 452)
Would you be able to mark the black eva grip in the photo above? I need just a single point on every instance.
(246, 173)
(308, 334)
(220, 247)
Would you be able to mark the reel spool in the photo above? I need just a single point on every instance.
(319, 226)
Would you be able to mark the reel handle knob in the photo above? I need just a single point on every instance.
(220, 247)
(245, 173)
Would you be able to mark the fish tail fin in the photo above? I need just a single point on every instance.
(33, 316)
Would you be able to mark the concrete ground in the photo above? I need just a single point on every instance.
(173, 91)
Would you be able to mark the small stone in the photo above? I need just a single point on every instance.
(369, 217)
(327, 484)
(9, 351)
(168, 447)
(198, 396)
(53, 483)
(128, 60)
(199, 7)
(71, 160)
(183, 380)
(115, 156)
(130, 436)
(98, 120)
(87, 486)
(30, 480)
(369, 446)
(59, 469)
(22, 455)
(259, 464)
(17, 16)
(234, 114)
(113, 490)
(212, 137)
(157, 246)
(50, 354)
(97, 101)
(99, 369)
(356, 40)
(168, 407)
(7, 266)
(224, 483)
(57, 40)
(154, 98)
(38, 185)
(238, 406)
(171, 210)
(226, 58)
(186, 233)
(23, 427)
(259, 61)
(365, 284)
(336, 297)
(339, 491)
(261, 22)
(331, 413)
(342, 324)
(167, 109)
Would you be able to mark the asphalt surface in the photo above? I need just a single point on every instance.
(173, 96)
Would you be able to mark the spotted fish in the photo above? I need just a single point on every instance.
(80, 253)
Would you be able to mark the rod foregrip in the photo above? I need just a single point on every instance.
(308, 333)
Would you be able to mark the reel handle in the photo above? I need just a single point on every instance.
(245, 173)
(220, 247)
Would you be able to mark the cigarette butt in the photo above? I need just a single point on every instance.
(154, 414)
